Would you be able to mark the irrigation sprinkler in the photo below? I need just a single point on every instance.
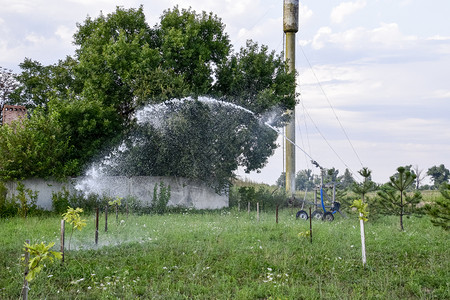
(321, 212)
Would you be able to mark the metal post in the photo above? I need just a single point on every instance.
(290, 27)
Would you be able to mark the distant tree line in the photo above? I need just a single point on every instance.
(307, 180)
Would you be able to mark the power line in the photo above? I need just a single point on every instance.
(332, 108)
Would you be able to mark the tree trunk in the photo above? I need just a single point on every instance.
(401, 211)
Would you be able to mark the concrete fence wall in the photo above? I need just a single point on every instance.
(184, 192)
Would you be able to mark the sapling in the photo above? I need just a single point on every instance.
(72, 216)
(363, 213)
(36, 256)
(363, 188)
(39, 255)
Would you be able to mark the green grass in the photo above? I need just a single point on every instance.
(230, 255)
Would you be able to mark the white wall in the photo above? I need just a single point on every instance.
(184, 192)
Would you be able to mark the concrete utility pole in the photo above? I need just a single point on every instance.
(290, 27)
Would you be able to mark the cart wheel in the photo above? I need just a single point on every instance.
(317, 215)
(328, 216)
(302, 215)
(335, 206)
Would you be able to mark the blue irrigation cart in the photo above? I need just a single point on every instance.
(321, 211)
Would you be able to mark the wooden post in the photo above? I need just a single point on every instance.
(126, 207)
(248, 209)
(277, 214)
(117, 213)
(257, 211)
(63, 229)
(96, 227)
(106, 218)
(310, 226)
(25, 281)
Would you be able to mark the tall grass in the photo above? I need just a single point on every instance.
(230, 255)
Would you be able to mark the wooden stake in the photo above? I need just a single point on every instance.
(63, 230)
(117, 213)
(106, 218)
(25, 281)
(310, 226)
(96, 227)
(257, 211)
(126, 205)
(248, 209)
(277, 214)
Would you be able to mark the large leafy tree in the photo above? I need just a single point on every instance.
(122, 64)
(439, 175)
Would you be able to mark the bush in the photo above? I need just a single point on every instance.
(60, 201)
(160, 201)
(8, 208)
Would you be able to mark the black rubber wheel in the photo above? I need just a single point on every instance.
(328, 216)
(335, 206)
(301, 214)
(317, 215)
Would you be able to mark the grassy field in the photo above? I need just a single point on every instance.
(231, 255)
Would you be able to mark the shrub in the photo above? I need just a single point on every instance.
(25, 200)
(8, 208)
(60, 200)
(161, 199)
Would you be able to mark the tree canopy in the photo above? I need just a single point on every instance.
(122, 64)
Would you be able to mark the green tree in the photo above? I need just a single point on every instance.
(366, 186)
(440, 211)
(193, 45)
(439, 175)
(347, 180)
(281, 181)
(8, 84)
(121, 64)
(304, 180)
(35, 147)
(39, 84)
(255, 79)
(398, 203)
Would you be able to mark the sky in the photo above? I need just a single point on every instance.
(373, 76)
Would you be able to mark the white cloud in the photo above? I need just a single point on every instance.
(345, 9)
(305, 14)
(387, 36)
(65, 33)
(442, 94)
